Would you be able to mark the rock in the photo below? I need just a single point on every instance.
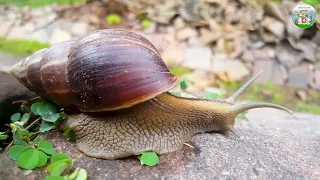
(80, 29)
(29, 27)
(299, 76)
(293, 30)
(255, 153)
(316, 38)
(208, 37)
(287, 55)
(198, 58)
(202, 80)
(301, 94)
(274, 26)
(184, 34)
(5, 28)
(179, 23)
(65, 25)
(10, 90)
(229, 70)
(271, 9)
(17, 32)
(60, 35)
(40, 36)
(309, 48)
(272, 71)
(173, 54)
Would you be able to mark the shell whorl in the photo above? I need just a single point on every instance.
(105, 70)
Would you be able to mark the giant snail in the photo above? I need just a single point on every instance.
(119, 83)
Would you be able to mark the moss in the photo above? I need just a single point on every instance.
(38, 3)
(310, 108)
(179, 71)
(20, 47)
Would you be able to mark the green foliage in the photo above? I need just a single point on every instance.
(113, 19)
(38, 3)
(3, 136)
(184, 83)
(70, 135)
(146, 23)
(20, 47)
(34, 155)
(149, 158)
(179, 71)
(15, 117)
(243, 116)
(310, 108)
(212, 96)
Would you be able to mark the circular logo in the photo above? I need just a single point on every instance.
(303, 16)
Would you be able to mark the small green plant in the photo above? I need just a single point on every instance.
(212, 96)
(113, 19)
(149, 158)
(20, 47)
(146, 23)
(38, 3)
(179, 71)
(310, 108)
(3, 136)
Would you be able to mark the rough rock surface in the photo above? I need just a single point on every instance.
(254, 153)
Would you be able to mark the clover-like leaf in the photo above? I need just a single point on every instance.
(43, 158)
(58, 157)
(15, 117)
(18, 141)
(52, 118)
(29, 159)
(54, 178)
(82, 175)
(46, 147)
(212, 96)
(57, 168)
(3, 136)
(16, 150)
(149, 158)
(25, 117)
(35, 107)
(70, 135)
(183, 84)
(46, 126)
(47, 109)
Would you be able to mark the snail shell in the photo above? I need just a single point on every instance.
(105, 70)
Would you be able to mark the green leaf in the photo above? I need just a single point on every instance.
(212, 96)
(16, 150)
(15, 117)
(70, 135)
(82, 175)
(57, 168)
(149, 158)
(113, 19)
(29, 159)
(183, 84)
(37, 141)
(74, 174)
(58, 157)
(51, 118)
(54, 178)
(146, 23)
(35, 107)
(47, 109)
(42, 159)
(3, 136)
(25, 117)
(18, 141)
(46, 126)
(46, 147)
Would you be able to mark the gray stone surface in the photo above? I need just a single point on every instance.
(254, 153)
(299, 76)
(198, 58)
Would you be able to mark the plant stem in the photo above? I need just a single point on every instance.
(27, 128)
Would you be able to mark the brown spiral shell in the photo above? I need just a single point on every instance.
(106, 70)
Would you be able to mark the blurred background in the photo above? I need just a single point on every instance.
(213, 45)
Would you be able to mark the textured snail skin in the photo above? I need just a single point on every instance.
(162, 124)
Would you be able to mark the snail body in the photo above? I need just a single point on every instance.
(119, 83)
